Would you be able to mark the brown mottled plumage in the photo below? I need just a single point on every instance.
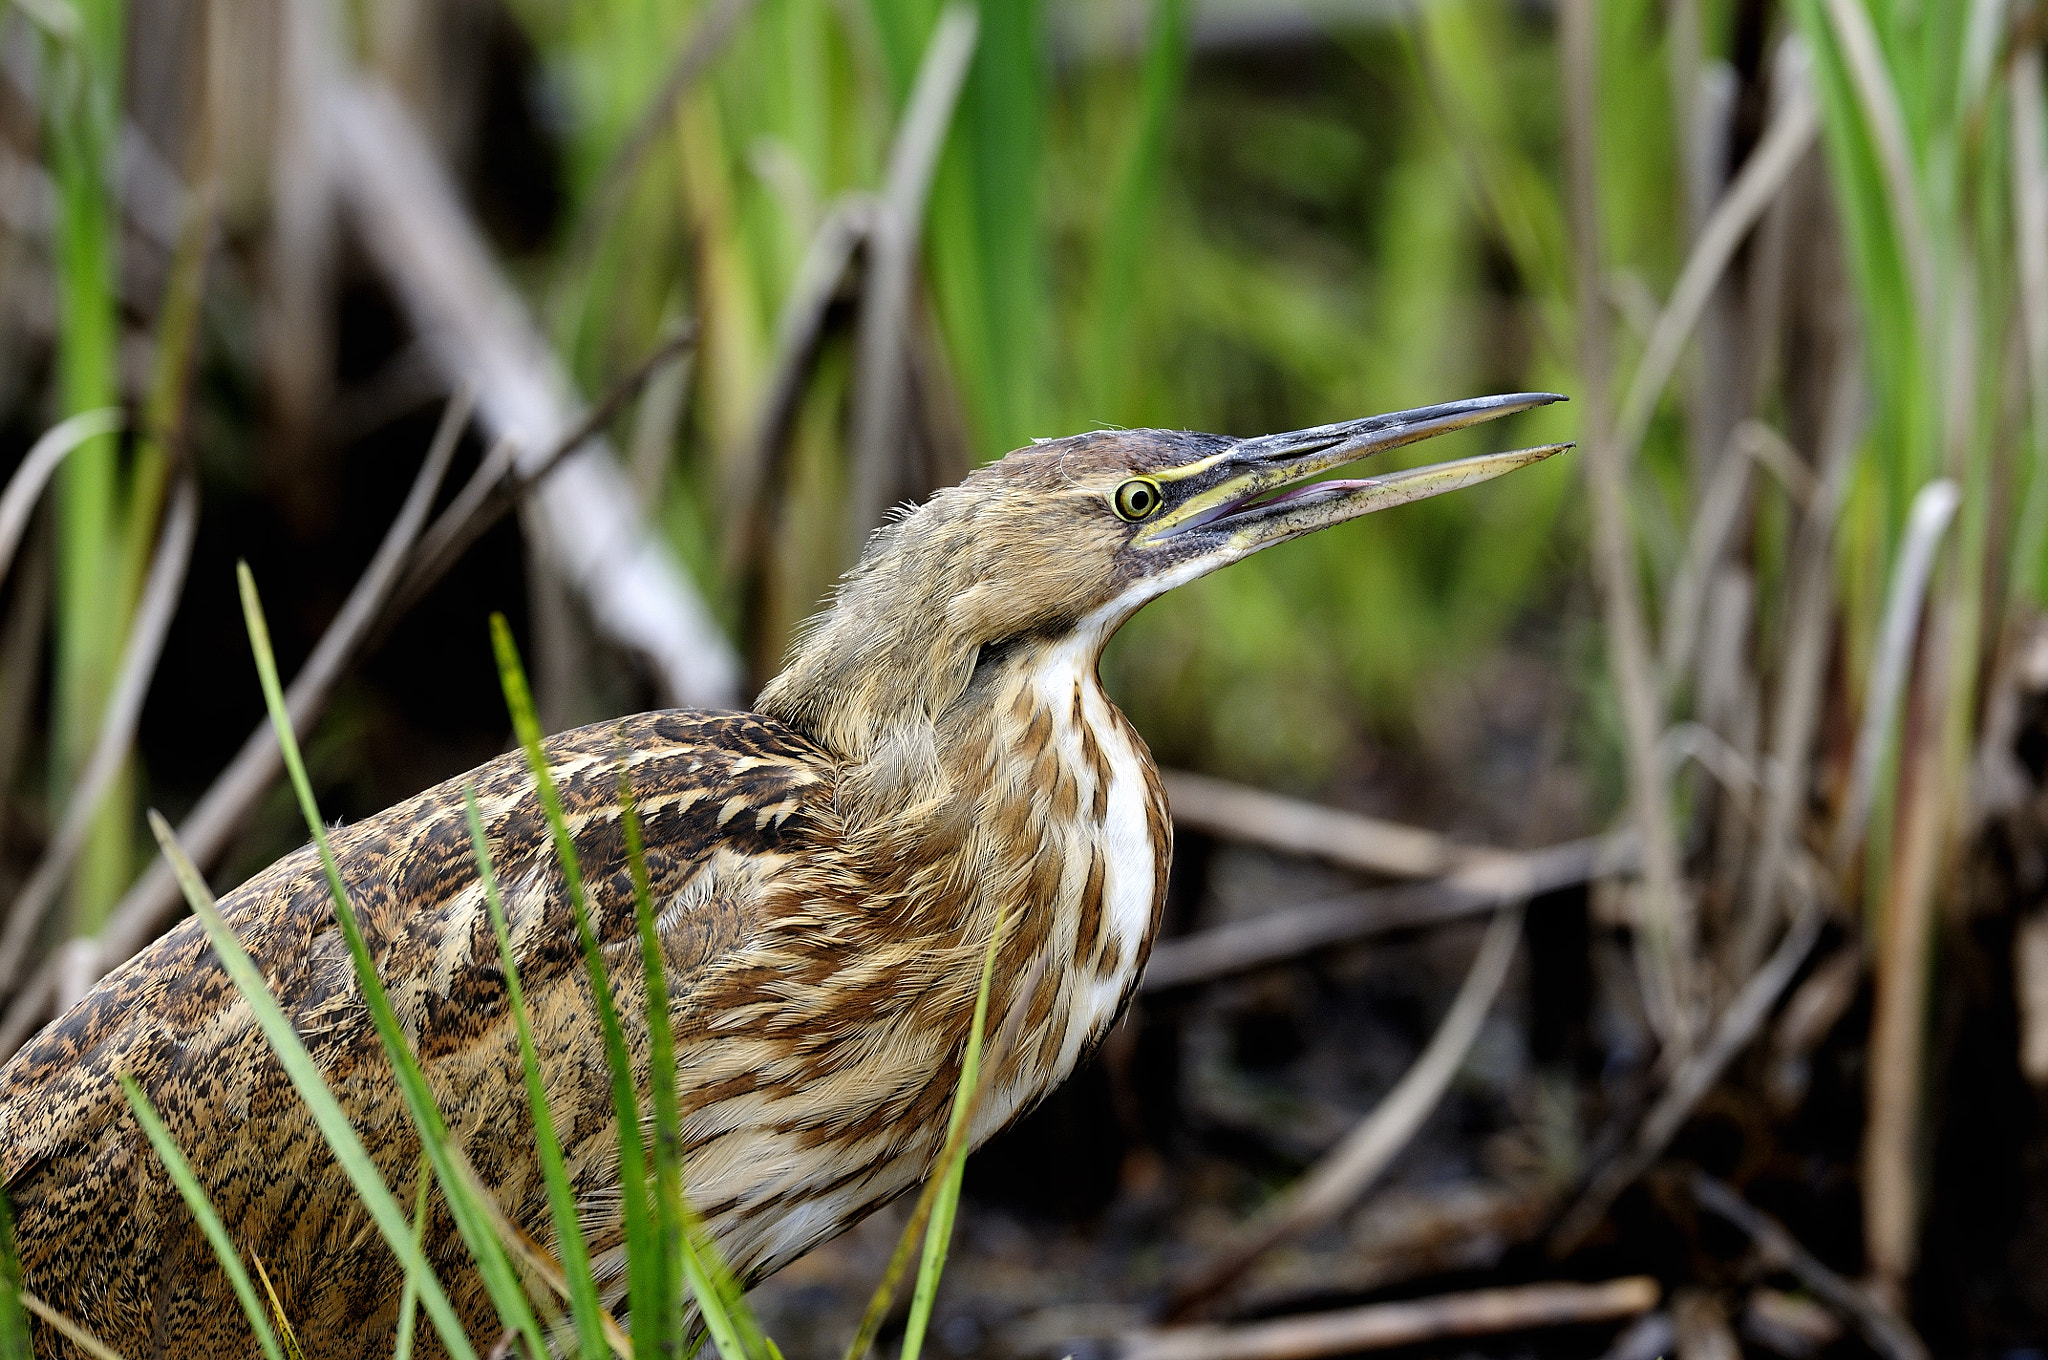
(827, 872)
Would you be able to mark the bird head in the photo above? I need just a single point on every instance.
(1059, 543)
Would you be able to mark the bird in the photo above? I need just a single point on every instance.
(936, 766)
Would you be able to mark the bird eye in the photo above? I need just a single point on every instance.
(1138, 498)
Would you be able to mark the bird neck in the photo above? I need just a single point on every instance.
(1009, 794)
(912, 720)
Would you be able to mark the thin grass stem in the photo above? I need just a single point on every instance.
(574, 1249)
(938, 1236)
(643, 1245)
(464, 1197)
(409, 1296)
(327, 1113)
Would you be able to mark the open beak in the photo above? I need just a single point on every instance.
(1252, 495)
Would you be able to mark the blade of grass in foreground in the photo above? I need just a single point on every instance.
(472, 1219)
(14, 1343)
(196, 1200)
(644, 1272)
(661, 1068)
(327, 1113)
(573, 1248)
(955, 1148)
(647, 1269)
(702, 1269)
(409, 1297)
(939, 1235)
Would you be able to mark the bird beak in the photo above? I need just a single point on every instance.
(1233, 502)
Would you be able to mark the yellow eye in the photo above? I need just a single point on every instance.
(1139, 498)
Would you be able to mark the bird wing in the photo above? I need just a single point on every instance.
(726, 800)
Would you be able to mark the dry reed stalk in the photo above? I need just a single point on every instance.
(1293, 826)
(1764, 175)
(1879, 1326)
(146, 633)
(153, 902)
(881, 384)
(1896, 1064)
(2030, 988)
(1737, 1026)
(414, 226)
(756, 479)
(25, 486)
(1796, 700)
(1700, 1329)
(1665, 932)
(1382, 1326)
(1489, 881)
(1334, 1183)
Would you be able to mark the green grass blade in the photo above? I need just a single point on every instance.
(196, 1200)
(1127, 229)
(473, 1220)
(340, 1135)
(907, 1243)
(574, 1250)
(939, 1235)
(82, 90)
(644, 1269)
(690, 1257)
(14, 1342)
(409, 1297)
(661, 1066)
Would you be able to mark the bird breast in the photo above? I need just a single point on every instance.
(1089, 839)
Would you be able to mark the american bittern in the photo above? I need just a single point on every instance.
(937, 757)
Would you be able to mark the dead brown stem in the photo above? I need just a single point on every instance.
(1808, 1018)
(1400, 1235)
(2030, 986)
(799, 333)
(1795, 706)
(1791, 134)
(1886, 1333)
(146, 633)
(1349, 839)
(1664, 929)
(503, 476)
(38, 465)
(151, 904)
(1335, 1182)
(584, 517)
(1382, 1326)
(1738, 1025)
(1699, 1323)
(1481, 885)
(881, 373)
(1891, 1186)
